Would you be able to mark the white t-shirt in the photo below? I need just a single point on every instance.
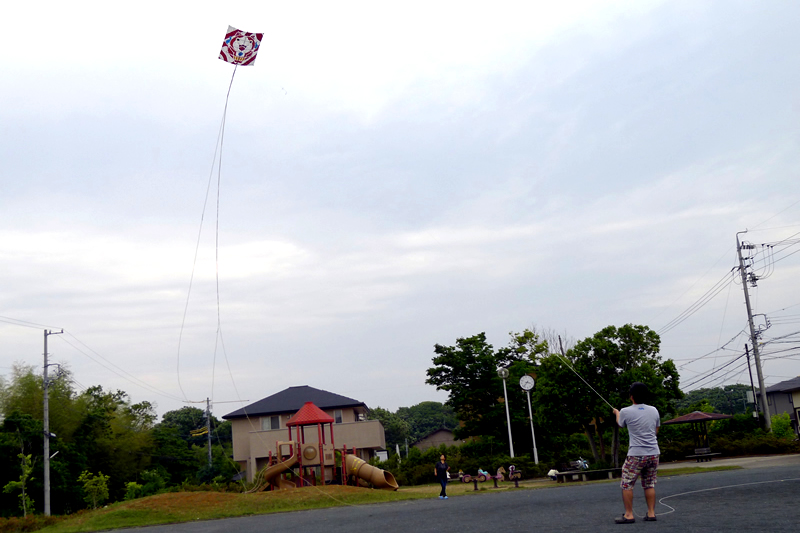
(641, 421)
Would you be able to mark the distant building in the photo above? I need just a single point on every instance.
(257, 427)
(437, 438)
(784, 397)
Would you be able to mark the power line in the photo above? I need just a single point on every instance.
(25, 323)
(716, 370)
(115, 369)
(718, 287)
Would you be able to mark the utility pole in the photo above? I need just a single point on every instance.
(752, 387)
(753, 333)
(46, 387)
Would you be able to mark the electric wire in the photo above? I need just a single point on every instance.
(714, 371)
(113, 368)
(96, 357)
(25, 323)
(709, 295)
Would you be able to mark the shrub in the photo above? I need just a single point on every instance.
(132, 490)
(782, 426)
(95, 487)
(26, 524)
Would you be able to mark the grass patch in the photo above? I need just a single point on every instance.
(695, 470)
(191, 506)
(176, 507)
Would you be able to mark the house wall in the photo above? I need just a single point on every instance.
(785, 402)
(436, 439)
(780, 402)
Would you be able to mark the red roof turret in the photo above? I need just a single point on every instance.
(309, 414)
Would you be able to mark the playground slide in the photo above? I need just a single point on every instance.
(275, 470)
(380, 479)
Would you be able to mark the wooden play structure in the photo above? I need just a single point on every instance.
(301, 462)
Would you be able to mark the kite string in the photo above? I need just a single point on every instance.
(216, 235)
(214, 161)
(564, 358)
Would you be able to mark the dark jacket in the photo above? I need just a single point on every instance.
(441, 469)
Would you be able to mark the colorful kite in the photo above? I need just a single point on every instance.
(240, 47)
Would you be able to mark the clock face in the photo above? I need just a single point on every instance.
(526, 382)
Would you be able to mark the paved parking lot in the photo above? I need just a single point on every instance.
(762, 496)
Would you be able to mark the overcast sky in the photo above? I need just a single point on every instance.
(393, 176)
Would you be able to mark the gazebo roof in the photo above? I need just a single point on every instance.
(697, 416)
(309, 414)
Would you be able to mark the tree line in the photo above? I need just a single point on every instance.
(573, 392)
(409, 424)
(98, 434)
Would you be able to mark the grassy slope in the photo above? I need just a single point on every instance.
(190, 506)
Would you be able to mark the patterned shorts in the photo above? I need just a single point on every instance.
(635, 466)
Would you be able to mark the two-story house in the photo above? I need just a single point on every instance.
(784, 397)
(259, 426)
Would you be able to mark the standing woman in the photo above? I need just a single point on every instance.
(440, 471)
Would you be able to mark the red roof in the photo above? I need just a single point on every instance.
(697, 416)
(309, 414)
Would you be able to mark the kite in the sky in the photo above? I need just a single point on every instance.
(240, 47)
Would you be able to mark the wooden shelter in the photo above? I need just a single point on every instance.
(699, 421)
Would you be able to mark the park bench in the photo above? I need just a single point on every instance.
(587, 475)
(702, 454)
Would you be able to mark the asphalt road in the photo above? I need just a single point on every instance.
(757, 498)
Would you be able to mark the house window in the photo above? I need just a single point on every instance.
(337, 416)
(270, 422)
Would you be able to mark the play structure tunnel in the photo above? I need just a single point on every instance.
(380, 479)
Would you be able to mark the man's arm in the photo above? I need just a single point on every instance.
(616, 414)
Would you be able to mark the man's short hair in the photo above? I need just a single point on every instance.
(640, 392)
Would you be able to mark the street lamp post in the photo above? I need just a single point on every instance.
(526, 382)
(503, 373)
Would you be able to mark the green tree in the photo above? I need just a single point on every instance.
(184, 457)
(172, 454)
(782, 426)
(427, 417)
(115, 436)
(95, 430)
(468, 372)
(609, 362)
(186, 420)
(95, 487)
(26, 503)
(395, 428)
(133, 490)
(729, 399)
